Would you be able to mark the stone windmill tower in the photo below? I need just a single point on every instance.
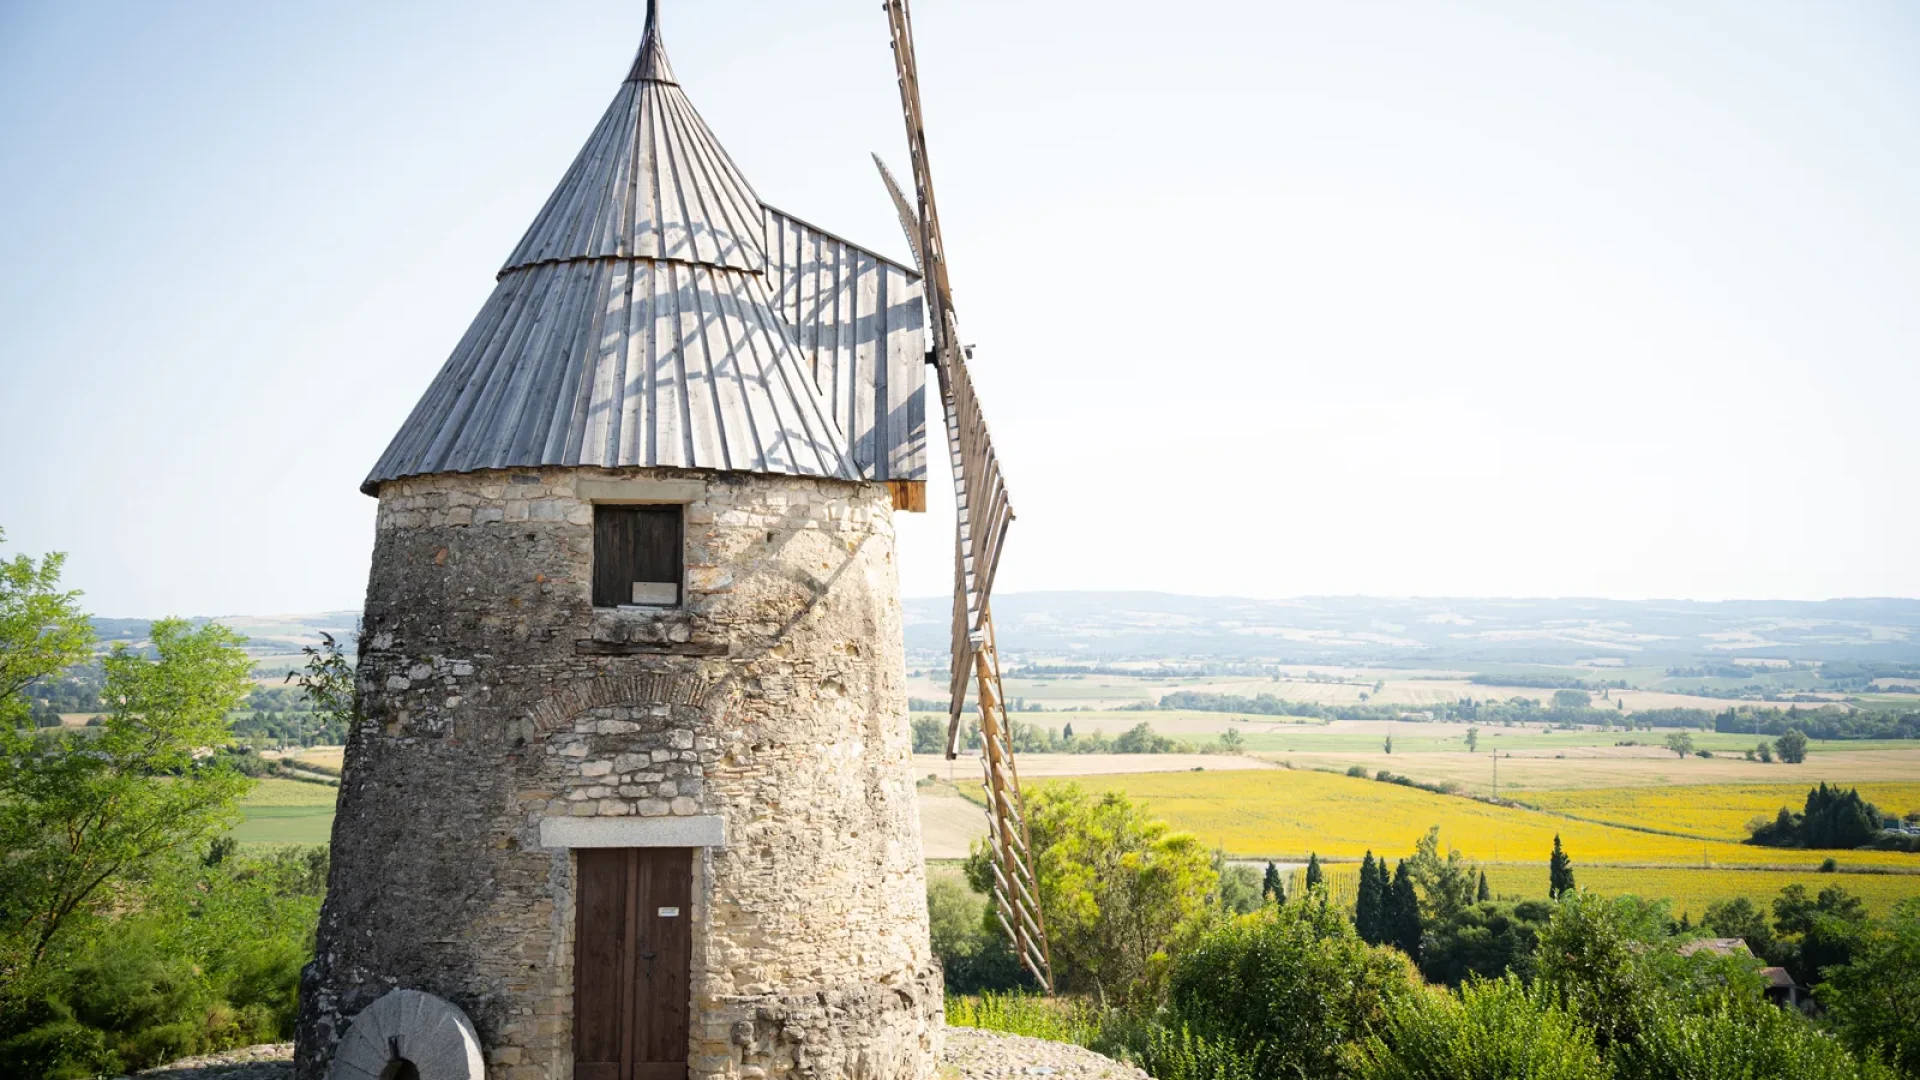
(632, 789)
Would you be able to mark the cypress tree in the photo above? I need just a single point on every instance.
(1270, 887)
(1403, 913)
(1559, 871)
(1315, 876)
(1484, 894)
(1369, 902)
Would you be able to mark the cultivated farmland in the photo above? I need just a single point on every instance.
(1287, 813)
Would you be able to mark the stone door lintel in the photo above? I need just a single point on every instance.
(706, 830)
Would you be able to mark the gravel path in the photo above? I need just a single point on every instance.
(971, 1055)
(980, 1055)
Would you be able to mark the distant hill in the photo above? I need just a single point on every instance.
(1352, 628)
(1322, 629)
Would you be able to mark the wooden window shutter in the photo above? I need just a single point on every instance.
(637, 555)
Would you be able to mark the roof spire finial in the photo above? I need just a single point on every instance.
(651, 63)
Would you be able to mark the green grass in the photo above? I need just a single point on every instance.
(286, 812)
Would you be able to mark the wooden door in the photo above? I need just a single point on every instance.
(632, 953)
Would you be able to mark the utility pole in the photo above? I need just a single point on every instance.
(1496, 774)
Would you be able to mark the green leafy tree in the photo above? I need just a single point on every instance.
(1816, 932)
(1559, 871)
(1284, 989)
(82, 813)
(1446, 882)
(1316, 877)
(1792, 747)
(1387, 746)
(42, 630)
(1239, 888)
(1680, 742)
(1482, 894)
(1231, 741)
(1491, 1030)
(1486, 940)
(1873, 1000)
(1118, 889)
(1764, 750)
(1473, 739)
(1270, 887)
(1572, 699)
(1739, 918)
(974, 955)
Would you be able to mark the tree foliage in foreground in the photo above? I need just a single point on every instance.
(85, 812)
(1118, 889)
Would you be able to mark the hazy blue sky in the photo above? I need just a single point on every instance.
(1271, 298)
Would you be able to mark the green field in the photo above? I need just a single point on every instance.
(286, 812)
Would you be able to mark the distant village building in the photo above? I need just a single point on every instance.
(632, 786)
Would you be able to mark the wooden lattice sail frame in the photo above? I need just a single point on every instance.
(982, 514)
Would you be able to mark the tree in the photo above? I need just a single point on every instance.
(1270, 886)
(1792, 747)
(1445, 883)
(1315, 876)
(1231, 741)
(1118, 888)
(1388, 745)
(1066, 733)
(1403, 927)
(42, 630)
(1559, 871)
(1239, 887)
(1739, 918)
(1765, 751)
(1572, 699)
(1817, 932)
(1680, 742)
(80, 814)
(1473, 739)
(1874, 998)
(1370, 901)
(1483, 894)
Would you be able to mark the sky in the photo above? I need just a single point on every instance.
(1269, 299)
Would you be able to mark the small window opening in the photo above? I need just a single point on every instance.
(636, 555)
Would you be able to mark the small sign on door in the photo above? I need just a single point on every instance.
(669, 912)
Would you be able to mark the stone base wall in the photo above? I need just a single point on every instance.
(496, 698)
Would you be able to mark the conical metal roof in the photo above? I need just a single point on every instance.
(634, 323)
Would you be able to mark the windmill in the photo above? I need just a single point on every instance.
(982, 514)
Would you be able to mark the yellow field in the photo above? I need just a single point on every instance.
(1691, 889)
(1708, 810)
(329, 756)
(1290, 812)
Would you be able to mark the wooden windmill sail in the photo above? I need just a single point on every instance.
(982, 514)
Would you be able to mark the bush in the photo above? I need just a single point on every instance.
(1282, 989)
(1182, 1055)
(1061, 1019)
(1493, 1030)
(1738, 1036)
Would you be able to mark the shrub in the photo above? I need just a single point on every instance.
(1737, 1036)
(1493, 1030)
(1061, 1019)
(1182, 1055)
(1284, 988)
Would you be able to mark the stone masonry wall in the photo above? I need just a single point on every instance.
(495, 697)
